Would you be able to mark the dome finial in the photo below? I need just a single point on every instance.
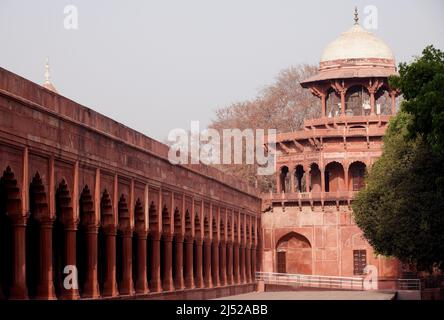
(47, 73)
(356, 16)
(48, 85)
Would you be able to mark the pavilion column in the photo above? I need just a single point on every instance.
(189, 279)
(179, 281)
(292, 181)
(322, 180)
(155, 283)
(45, 287)
(248, 263)
(242, 263)
(110, 283)
(223, 263)
(393, 99)
(91, 285)
(324, 105)
(167, 280)
(215, 263)
(70, 249)
(18, 289)
(307, 178)
(346, 182)
(236, 264)
(199, 272)
(126, 284)
(207, 262)
(372, 102)
(278, 182)
(230, 262)
(141, 285)
(342, 102)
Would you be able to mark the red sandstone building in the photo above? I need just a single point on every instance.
(308, 227)
(79, 189)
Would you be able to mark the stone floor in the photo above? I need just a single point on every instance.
(313, 295)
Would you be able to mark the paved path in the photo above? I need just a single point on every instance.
(313, 295)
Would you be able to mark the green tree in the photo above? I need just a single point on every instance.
(401, 211)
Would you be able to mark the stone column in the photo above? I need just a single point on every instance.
(126, 283)
(253, 262)
(110, 284)
(322, 180)
(223, 263)
(167, 280)
(393, 98)
(230, 262)
(19, 290)
(342, 102)
(91, 285)
(70, 259)
(372, 101)
(215, 263)
(278, 181)
(207, 263)
(179, 281)
(155, 283)
(189, 279)
(236, 263)
(307, 179)
(323, 105)
(45, 287)
(199, 275)
(248, 263)
(292, 173)
(141, 283)
(242, 263)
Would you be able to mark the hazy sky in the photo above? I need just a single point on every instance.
(157, 65)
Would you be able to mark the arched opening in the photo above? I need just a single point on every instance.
(106, 219)
(215, 255)
(124, 228)
(315, 178)
(188, 234)
(229, 264)
(177, 233)
(300, 178)
(333, 104)
(139, 230)
(205, 271)
(63, 212)
(166, 231)
(222, 251)
(284, 179)
(294, 254)
(356, 176)
(334, 177)
(153, 227)
(87, 221)
(38, 209)
(357, 101)
(197, 235)
(9, 201)
(383, 102)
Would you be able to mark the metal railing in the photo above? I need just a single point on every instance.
(331, 282)
(313, 281)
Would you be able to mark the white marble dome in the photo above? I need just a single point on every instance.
(357, 43)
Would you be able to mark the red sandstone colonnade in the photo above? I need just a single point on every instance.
(105, 235)
(85, 198)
